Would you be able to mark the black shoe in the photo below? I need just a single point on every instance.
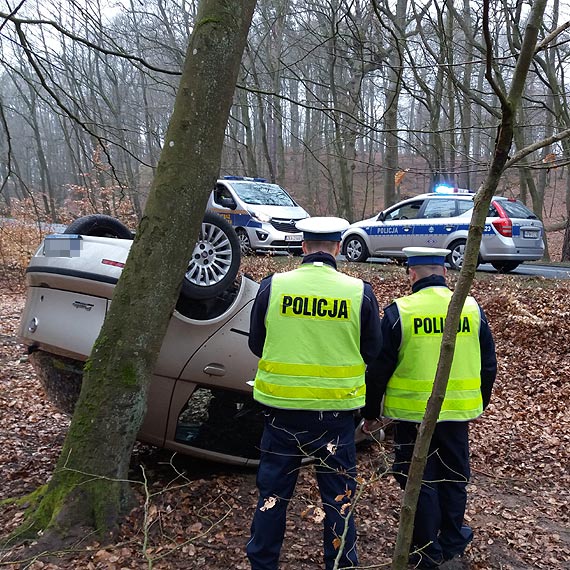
(468, 536)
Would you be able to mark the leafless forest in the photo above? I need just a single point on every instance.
(348, 104)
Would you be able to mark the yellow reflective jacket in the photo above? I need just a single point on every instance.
(422, 317)
(311, 356)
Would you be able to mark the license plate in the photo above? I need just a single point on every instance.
(530, 234)
(292, 238)
(62, 245)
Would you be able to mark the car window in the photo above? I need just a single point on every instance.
(440, 209)
(407, 211)
(262, 193)
(464, 206)
(517, 210)
(223, 197)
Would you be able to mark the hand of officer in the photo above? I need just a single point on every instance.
(369, 427)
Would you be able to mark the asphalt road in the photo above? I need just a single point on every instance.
(548, 271)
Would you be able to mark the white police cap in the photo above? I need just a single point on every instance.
(426, 255)
(323, 228)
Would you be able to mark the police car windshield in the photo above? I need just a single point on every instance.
(262, 193)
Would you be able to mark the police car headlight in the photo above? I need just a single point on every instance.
(260, 217)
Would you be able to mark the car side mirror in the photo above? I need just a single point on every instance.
(228, 203)
(381, 217)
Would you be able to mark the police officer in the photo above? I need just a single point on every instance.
(314, 329)
(404, 374)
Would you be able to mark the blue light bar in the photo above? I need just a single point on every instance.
(444, 189)
(245, 178)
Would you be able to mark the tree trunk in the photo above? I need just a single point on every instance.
(566, 242)
(89, 487)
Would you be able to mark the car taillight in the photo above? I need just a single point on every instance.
(504, 226)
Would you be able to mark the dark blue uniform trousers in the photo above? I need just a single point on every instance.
(289, 437)
(439, 531)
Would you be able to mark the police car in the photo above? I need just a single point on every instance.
(512, 233)
(263, 214)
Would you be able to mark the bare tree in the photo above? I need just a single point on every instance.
(89, 487)
(510, 101)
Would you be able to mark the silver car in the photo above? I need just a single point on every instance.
(512, 233)
(200, 401)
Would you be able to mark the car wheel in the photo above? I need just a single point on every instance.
(455, 258)
(505, 266)
(99, 225)
(215, 260)
(355, 249)
(244, 243)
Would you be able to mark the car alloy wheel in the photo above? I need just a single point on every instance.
(215, 260)
(355, 249)
(244, 243)
(455, 258)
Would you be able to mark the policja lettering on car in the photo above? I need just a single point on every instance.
(311, 306)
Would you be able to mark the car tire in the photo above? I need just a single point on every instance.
(505, 266)
(99, 225)
(455, 257)
(215, 260)
(355, 249)
(244, 242)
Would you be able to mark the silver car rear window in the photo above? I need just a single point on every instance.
(515, 210)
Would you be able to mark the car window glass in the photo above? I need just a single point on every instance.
(223, 196)
(262, 193)
(440, 209)
(407, 211)
(517, 210)
(464, 206)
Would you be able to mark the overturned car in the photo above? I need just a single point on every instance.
(200, 401)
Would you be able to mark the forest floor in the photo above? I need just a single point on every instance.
(198, 514)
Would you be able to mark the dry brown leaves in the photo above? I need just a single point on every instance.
(199, 514)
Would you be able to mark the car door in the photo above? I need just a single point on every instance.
(436, 221)
(394, 228)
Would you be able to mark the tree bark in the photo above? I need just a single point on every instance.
(89, 487)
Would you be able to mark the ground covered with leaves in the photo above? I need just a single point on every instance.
(194, 515)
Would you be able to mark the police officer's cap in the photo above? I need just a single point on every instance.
(425, 255)
(322, 228)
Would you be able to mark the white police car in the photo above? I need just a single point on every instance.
(262, 214)
(512, 233)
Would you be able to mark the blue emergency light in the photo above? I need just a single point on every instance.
(245, 178)
(447, 189)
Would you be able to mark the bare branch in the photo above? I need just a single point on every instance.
(536, 146)
(18, 22)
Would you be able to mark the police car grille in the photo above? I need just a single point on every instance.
(284, 225)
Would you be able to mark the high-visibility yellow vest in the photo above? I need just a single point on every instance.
(311, 356)
(422, 317)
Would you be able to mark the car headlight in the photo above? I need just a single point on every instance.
(260, 217)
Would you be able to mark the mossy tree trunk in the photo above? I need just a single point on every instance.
(509, 103)
(89, 488)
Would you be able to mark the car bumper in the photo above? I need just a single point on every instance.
(268, 238)
(510, 252)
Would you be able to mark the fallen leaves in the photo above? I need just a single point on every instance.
(268, 503)
(519, 495)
